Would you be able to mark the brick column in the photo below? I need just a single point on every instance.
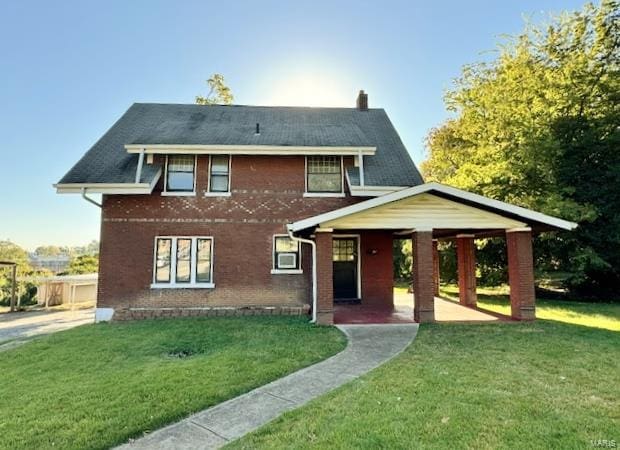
(436, 274)
(466, 259)
(521, 273)
(424, 299)
(325, 279)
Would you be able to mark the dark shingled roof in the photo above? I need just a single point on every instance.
(150, 123)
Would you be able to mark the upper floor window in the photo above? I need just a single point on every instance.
(219, 176)
(183, 262)
(324, 174)
(180, 173)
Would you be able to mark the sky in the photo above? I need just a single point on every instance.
(69, 69)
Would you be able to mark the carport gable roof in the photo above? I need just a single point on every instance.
(541, 222)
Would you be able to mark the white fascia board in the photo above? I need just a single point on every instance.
(107, 188)
(370, 191)
(248, 149)
(374, 191)
(441, 188)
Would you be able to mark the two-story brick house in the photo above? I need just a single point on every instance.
(238, 209)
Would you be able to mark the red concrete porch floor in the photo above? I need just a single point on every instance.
(445, 311)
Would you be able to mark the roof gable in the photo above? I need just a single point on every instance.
(354, 212)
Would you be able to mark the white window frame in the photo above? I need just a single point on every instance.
(173, 264)
(324, 194)
(274, 270)
(208, 192)
(166, 192)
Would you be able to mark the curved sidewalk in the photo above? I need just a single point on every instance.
(369, 346)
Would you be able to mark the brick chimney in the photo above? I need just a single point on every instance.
(362, 101)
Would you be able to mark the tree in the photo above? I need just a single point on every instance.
(13, 253)
(219, 93)
(49, 250)
(83, 264)
(538, 127)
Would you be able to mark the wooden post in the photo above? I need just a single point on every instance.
(13, 286)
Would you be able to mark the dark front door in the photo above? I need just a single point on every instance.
(345, 268)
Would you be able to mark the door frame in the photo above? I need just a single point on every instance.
(359, 259)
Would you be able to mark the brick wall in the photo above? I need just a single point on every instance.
(423, 286)
(324, 274)
(521, 275)
(267, 193)
(377, 268)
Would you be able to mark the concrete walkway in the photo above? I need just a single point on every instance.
(369, 346)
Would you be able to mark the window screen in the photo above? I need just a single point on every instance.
(219, 180)
(324, 174)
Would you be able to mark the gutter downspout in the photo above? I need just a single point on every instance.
(314, 278)
(88, 199)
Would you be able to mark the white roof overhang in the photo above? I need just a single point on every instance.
(192, 149)
(432, 206)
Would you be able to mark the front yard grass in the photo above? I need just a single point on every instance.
(96, 386)
(544, 384)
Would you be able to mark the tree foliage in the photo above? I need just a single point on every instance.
(83, 264)
(14, 253)
(219, 92)
(539, 126)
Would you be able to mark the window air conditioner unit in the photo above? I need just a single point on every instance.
(287, 260)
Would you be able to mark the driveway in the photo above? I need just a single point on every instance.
(20, 326)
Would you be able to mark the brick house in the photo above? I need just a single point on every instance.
(249, 209)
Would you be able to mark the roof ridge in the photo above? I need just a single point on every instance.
(258, 106)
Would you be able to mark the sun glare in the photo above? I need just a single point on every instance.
(307, 89)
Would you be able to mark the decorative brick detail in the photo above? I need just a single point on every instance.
(423, 285)
(325, 279)
(466, 260)
(436, 271)
(267, 193)
(521, 275)
(165, 313)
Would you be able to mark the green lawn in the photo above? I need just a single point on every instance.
(98, 385)
(545, 384)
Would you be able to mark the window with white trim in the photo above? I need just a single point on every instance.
(286, 253)
(324, 174)
(180, 173)
(183, 261)
(219, 176)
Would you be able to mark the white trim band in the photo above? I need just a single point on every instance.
(517, 230)
(249, 149)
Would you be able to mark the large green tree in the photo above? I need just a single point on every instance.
(539, 126)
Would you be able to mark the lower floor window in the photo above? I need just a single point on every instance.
(183, 261)
(285, 253)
